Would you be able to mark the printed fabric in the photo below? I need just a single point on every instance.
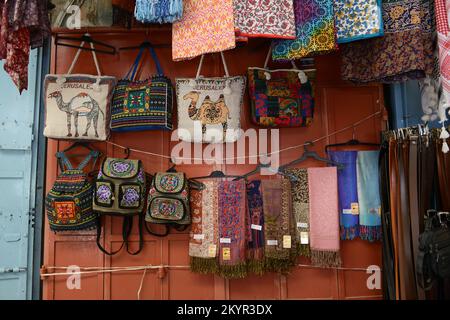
(207, 26)
(348, 193)
(232, 229)
(443, 30)
(404, 52)
(265, 18)
(255, 227)
(159, 11)
(369, 195)
(358, 19)
(315, 31)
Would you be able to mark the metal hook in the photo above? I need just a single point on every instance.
(127, 153)
(306, 144)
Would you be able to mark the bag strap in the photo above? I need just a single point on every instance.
(128, 226)
(134, 67)
(94, 154)
(63, 161)
(99, 234)
(94, 56)
(301, 74)
(200, 65)
(165, 233)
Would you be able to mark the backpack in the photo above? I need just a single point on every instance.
(120, 190)
(168, 201)
(69, 202)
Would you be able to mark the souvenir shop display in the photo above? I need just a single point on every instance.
(168, 200)
(282, 97)
(142, 104)
(162, 11)
(69, 202)
(315, 31)
(358, 19)
(93, 13)
(265, 18)
(81, 98)
(120, 190)
(404, 52)
(209, 109)
(207, 26)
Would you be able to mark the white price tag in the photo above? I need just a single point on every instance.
(225, 240)
(302, 225)
(256, 227)
(272, 242)
(199, 236)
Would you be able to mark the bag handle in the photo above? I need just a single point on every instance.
(165, 233)
(301, 74)
(94, 56)
(99, 234)
(134, 67)
(63, 162)
(200, 65)
(92, 155)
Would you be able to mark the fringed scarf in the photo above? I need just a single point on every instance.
(204, 236)
(277, 229)
(324, 216)
(369, 196)
(348, 193)
(300, 209)
(255, 228)
(162, 11)
(232, 211)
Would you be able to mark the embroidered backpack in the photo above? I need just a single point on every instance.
(168, 201)
(120, 190)
(69, 202)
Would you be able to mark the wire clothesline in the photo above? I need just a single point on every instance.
(352, 126)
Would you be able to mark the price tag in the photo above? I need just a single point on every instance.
(302, 225)
(355, 208)
(199, 236)
(226, 254)
(304, 238)
(379, 211)
(287, 241)
(347, 211)
(272, 242)
(225, 240)
(256, 227)
(212, 250)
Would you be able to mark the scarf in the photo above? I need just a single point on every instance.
(404, 52)
(348, 193)
(277, 228)
(300, 210)
(369, 195)
(232, 211)
(162, 11)
(315, 33)
(207, 26)
(358, 19)
(204, 237)
(324, 216)
(265, 18)
(255, 228)
(443, 30)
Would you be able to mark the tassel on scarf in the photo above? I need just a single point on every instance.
(256, 267)
(235, 271)
(370, 233)
(326, 258)
(204, 266)
(349, 233)
(444, 136)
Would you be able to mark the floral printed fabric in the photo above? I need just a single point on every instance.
(358, 19)
(315, 31)
(207, 26)
(265, 18)
(404, 52)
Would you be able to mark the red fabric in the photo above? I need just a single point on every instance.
(442, 24)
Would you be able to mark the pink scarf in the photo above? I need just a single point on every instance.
(443, 30)
(324, 216)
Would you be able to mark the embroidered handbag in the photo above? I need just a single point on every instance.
(120, 190)
(77, 105)
(142, 105)
(209, 109)
(69, 202)
(168, 200)
(280, 98)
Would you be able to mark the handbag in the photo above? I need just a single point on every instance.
(69, 201)
(77, 106)
(280, 98)
(209, 109)
(120, 190)
(168, 201)
(142, 105)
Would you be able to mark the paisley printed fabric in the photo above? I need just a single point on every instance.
(207, 26)
(255, 227)
(404, 52)
(315, 31)
(265, 18)
(358, 19)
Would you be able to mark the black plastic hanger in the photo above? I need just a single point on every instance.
(144, 45)
(352, 142)
(217, 174)
(258, 170)
(87, 39)
(310, 154)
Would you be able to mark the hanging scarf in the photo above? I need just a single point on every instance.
(207, 26)
(404, 52)
(315, 33)
(324, 216)
(369, 195)
(265, 18)
(232, 212)
(255, 228)
(443, 30)
(162, 11)
(300, 209)
(277, 229)
(348, 193)
(358, 19)
(204, 236)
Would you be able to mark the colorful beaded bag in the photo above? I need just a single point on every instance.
(142, 104)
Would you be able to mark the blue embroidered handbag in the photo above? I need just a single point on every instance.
(142, 104)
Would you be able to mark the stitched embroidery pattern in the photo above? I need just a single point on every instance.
(169, 209)
(120, 168)
(169, 182)
(65, 211)
(104, 193)
(130, 196)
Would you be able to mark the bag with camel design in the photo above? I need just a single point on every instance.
(209, 109)
(77, 106)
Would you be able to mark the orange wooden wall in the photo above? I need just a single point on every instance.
(338, 105)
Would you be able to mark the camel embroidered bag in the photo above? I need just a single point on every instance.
(142, 105)
(209, 109)
(77, 106)
(280, 98)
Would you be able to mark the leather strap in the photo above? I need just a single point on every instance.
(165, 233)
(393, 178)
